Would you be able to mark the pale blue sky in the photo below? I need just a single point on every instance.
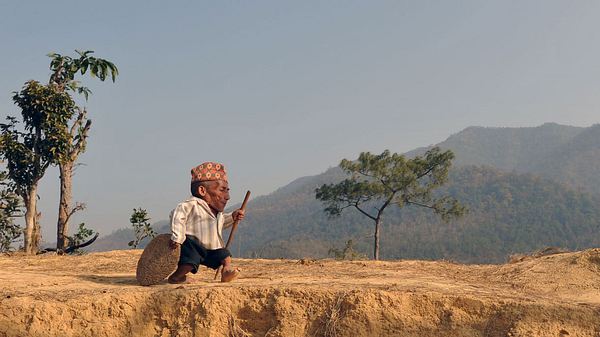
(278, 89)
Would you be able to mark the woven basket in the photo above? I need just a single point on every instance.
(157, 261)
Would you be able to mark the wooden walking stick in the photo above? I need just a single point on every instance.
(233, 228)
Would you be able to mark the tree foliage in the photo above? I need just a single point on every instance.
(10, 208)
(28, 149)
(64, 70)
(378, 181)
(83, 233)
(54, 132)
(141, 226)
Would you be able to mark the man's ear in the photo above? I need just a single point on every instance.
(201, 190)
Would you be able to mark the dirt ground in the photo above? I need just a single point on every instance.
(97, 295)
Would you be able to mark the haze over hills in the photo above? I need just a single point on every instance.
(562, 153)
(534, 187)
(509, 213)
(505, 148)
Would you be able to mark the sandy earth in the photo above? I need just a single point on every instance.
(97, 295)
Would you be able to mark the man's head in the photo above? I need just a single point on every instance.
(209, 182)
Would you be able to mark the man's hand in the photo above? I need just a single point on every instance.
(238, 215)
(173, 244)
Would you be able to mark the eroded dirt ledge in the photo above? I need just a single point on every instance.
(96, 295)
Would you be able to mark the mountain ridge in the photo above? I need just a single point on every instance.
(290, 222)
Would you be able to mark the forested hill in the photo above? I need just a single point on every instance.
(510, 211)
(562, 153)
(506, 148)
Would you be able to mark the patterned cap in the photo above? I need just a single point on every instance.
(209, 171)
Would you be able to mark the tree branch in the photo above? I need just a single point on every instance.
(383, 182)
(77, 123)
(81, 141)
(78, 207)
(418, 204)
(385, 204)
(363, 212)
(346, 206)
(71, 249)
(366, 175)
(426, 172)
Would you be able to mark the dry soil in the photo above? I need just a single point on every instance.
(97, 295)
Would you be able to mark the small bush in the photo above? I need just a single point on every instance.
(346, 253)
(141, 227)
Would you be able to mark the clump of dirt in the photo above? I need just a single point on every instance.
(590, 259)
(537, 254)
(97, 295)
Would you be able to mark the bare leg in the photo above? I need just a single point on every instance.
(226, 263)
(179, 275)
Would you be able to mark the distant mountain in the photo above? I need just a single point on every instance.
(562, 153)
(576, 162)
(526, 188)
(118, 239)
(509, 213)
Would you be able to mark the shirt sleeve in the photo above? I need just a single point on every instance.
(227, 220)
(178, 219)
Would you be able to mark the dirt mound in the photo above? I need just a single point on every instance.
(97, 295)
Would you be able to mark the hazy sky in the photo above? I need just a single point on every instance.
(276, 90)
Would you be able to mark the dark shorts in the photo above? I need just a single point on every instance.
(194, 253)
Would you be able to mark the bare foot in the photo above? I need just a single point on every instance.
(229, 275)
(176, 279)
(179, 275)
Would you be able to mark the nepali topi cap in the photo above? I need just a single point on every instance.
(209, 171)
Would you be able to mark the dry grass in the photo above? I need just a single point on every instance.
(234, 329)
(331, 327)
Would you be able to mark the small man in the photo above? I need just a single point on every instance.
(198, 222)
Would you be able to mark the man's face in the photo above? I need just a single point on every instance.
(216, 194)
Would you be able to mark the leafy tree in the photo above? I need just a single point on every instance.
(141, 226)
(64, 69)
(378, 181)
(76, 241)
(10, 208)
(28, 151)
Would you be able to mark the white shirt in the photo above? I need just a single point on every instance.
(194, 217)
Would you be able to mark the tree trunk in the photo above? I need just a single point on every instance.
(31, 236)
(376, 245)
(62, 227)
(36, 237)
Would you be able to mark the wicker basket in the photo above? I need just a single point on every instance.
(157, 261)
